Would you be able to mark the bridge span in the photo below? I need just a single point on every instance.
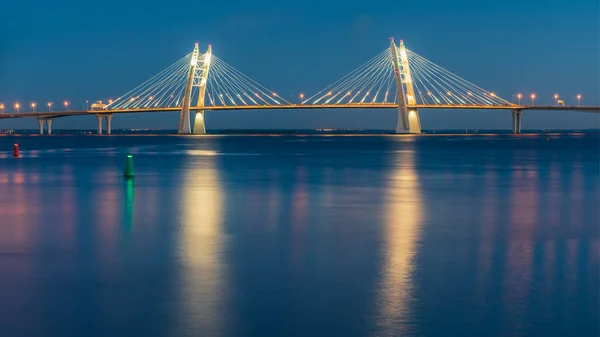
(396, 78)
(107, 115)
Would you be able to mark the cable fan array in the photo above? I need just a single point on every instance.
(226, 86)
(434, 85)
(374, 83)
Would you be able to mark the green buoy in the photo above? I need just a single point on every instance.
(128, 172)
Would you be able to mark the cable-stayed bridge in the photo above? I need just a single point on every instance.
(396, 78)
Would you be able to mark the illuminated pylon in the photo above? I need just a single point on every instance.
(184, 116)
(408, 120)
(200, 79)
(197, 77)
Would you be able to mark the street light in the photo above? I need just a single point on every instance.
(17, 106)
(86, 104)
(301, 98)
(519, 97)
(578, 99)
(49, 106)
(110, 101)
(532, 99)
(1, 107)
(66, 106)
(33, 106)
(555, 99)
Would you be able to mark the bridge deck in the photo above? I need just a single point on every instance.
(56, 114)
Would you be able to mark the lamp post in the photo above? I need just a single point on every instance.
(519, 97)
(49, 106)
(17, 106)
(578, 99)
(66, 106)
(532, 99)
(33, 106)
(86, 104)
(555, 99)
(301, 98)
(1, 107)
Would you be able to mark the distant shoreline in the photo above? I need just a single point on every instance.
(241, 132)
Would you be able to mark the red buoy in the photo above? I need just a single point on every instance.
(16, 153)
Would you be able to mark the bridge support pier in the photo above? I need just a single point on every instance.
(185, 122)
(516, 121)
(199, 126)
(41, 124)
(408, 122)
(99, 119)
(49, 125)
(108, 119)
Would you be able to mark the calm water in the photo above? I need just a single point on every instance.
(300, 236)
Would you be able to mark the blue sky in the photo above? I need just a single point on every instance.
(80, 50)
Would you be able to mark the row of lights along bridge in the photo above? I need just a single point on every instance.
(557, 101)
(50, 105)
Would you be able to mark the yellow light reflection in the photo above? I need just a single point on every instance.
(106, 200)
(68, 213)
(200, 245)
(402, 231)
(486, 246)
(523, 213)
(274, 200)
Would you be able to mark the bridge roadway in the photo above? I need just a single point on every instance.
(56, 114)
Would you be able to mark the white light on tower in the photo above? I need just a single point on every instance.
(403, 55)
(194, 60)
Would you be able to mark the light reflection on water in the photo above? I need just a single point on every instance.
(201, 294)
(348, 236)
(401, 235)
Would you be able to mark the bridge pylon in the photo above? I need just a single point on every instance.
(408, 118)
(200, 80)
(197, 78)
(184, 116)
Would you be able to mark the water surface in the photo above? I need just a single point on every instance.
(300, 236)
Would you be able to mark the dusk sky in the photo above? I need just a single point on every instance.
(79, 50)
